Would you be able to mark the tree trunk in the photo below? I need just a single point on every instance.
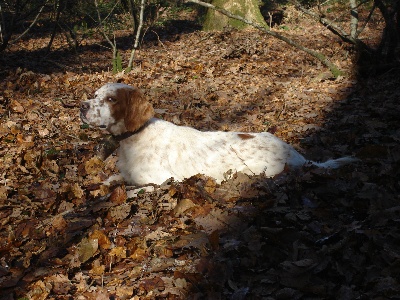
(391, 34)
(247, 9)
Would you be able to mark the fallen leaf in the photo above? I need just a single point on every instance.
(182, 206)
(102, 239)
(86, 249)
(118, 195)
(17, 107)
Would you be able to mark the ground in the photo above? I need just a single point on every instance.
(313, 234)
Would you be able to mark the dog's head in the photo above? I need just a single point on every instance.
(118, 108)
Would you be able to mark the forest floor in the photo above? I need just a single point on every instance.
(313, 234)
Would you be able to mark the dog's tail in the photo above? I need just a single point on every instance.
(336, 163)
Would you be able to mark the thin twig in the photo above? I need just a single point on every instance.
(367, 20)
(158, 39)
(242, 160)
(101, 25)
(142, 6)
(31, 25)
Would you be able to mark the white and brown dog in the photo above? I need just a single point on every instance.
(153, 150)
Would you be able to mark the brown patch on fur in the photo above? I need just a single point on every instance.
(138, 112)
(133, 107)
(245, 136)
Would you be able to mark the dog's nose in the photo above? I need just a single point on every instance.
(85, 106)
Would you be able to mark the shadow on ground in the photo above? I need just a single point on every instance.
(64, 58)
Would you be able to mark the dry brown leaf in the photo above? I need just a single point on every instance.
(139, 254)
(103, 240)
(150, 284)
(43, 132)
(17, 107)
(182, 206)
(3, 192)
(118, 252)
(82, 282)
(86, 249)
(77, 190)
(94, 166)
(59, 222)
(97, 268)
(120, 212)
(198, 240)
(118, 195)
(61, 284)
(50, 166)
(125, 292)
(38, 291)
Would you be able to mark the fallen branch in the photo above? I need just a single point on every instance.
(334, 70)
(351, 38)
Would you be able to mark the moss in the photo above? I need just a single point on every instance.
(248, 9)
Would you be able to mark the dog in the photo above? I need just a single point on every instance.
(153, 150)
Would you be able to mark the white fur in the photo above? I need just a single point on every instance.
(99, 114)
(161, 150)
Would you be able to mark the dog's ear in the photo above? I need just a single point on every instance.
(138, 110)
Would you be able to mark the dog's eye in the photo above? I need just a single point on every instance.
(111, 100)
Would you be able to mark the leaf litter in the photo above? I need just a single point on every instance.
(322, 234)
